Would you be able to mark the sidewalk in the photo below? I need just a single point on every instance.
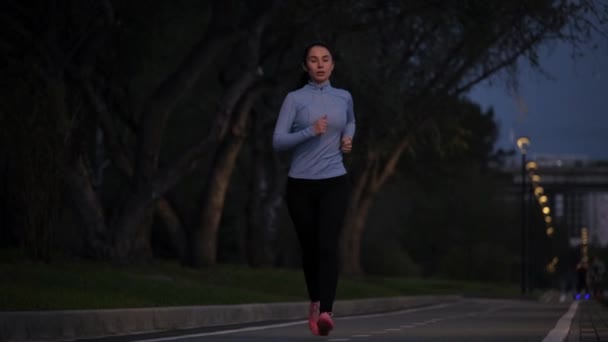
(590, 322)
(81, 324)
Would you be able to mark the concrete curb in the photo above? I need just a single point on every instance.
(78, 324)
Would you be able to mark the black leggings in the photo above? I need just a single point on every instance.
(317, 209)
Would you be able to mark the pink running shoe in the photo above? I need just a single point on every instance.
(313, 317)
(325, 323)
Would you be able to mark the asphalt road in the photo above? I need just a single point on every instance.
(467, 320)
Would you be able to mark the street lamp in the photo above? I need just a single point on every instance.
(523, 143)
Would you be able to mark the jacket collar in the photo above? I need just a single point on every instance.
(318, 86)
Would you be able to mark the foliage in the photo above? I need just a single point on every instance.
(116, 114)
(460, 222)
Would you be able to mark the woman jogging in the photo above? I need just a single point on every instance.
(317, 124)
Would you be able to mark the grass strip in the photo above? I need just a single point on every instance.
(66, 285)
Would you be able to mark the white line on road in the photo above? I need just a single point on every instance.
(224, 332)
(559, 333)
(289, 324)
(396, 313)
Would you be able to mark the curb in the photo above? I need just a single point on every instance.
(79, 324)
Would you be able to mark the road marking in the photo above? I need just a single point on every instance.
(396, 313)
(391, 329)
(361, 336)
(224, 332)
(290, 324)
(559, 333)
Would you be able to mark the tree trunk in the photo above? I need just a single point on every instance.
(253, 239)
(204, 248)
(90, 209)
(112, 148)
(261, 230)
(265, 200)
(374, 175)
(356, 218)
(132, 222)
(147, 178)
(350, 255)
(205, 237)
(174, 227)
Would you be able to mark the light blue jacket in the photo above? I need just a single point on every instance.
(315, 157)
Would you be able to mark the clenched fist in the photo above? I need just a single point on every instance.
(347, 144)
(320, 126)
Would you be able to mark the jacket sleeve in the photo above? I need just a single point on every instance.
(349, 129)
(283, 137)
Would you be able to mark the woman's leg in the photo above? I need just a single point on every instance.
(302, 204)
(332, 207)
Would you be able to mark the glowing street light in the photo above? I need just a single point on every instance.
(523, 143)
(543, 199)
(546, 210)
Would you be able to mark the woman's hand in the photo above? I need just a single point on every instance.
(347, 144)
(320, 126)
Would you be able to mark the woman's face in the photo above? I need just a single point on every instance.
(319, 64)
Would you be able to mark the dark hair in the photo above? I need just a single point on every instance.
(311, 45)
(304, 78)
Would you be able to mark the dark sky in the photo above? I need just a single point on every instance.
(565, 114)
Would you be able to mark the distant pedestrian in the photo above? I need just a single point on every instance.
(317, 124)
(581, 279)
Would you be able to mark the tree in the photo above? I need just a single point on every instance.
(435, 50)
(77, 61)
(116, 75)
